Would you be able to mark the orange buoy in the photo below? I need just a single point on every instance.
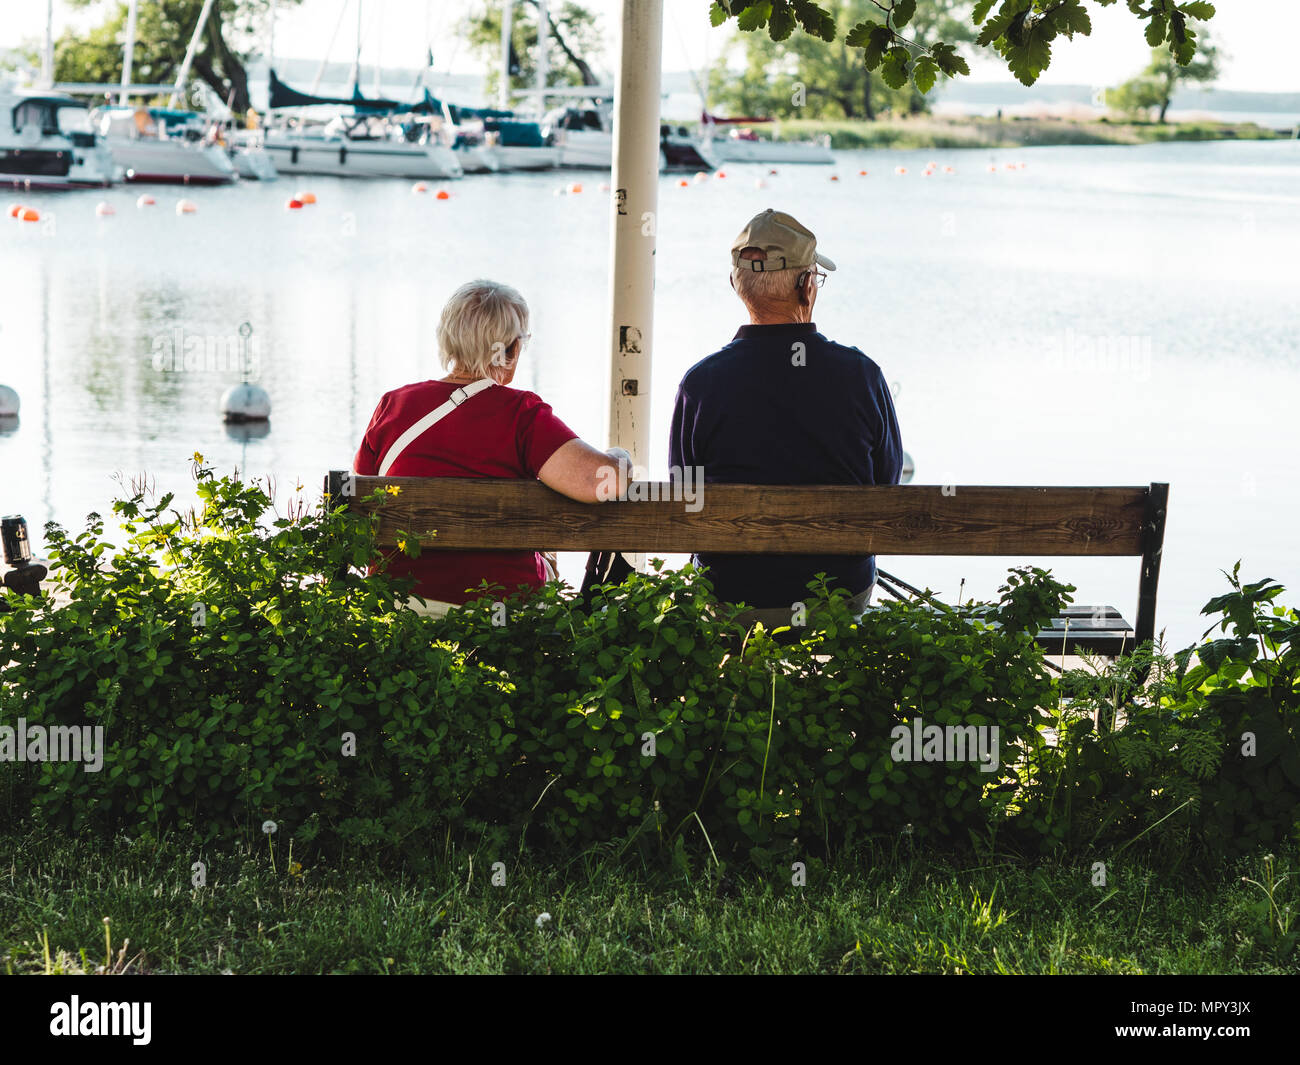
(442, 194)
(932, 165)
(835, 177)
(684, 184)
(993, 168)
(30, 214)
(772, 171)
(722, 173)
(419, 186)
(306, 197)
(15, 209)
(900, 170)
(950, 170)
(145, 201)
(186, 207)
(862, 173)
(104, 208)
(575, 188)
(294, 204)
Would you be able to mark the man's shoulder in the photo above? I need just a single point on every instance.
(730, 359)
(710, 366)
(852, 355)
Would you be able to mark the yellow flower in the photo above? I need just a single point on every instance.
(393, 489)
(198, 458)
(401, 544)
(295, 868)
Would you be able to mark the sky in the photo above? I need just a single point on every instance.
(394, 34)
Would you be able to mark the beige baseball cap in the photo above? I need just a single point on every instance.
(784, 241)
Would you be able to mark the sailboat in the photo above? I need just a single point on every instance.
(368, 141)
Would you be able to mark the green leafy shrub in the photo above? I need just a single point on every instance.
(1205, 754)
(243, 671)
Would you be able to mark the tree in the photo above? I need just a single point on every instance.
(574, 35)
(804, 77)
(163, 30)
(808, 77)
(1168, 75)
(1020, 31)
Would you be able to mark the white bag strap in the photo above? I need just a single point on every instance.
(432, 418)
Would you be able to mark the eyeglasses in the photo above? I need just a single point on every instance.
(523, 339)
(819, 278)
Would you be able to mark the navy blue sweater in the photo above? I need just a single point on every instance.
(763, 410)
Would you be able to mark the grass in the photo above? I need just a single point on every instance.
(871, 912)
(976, 132)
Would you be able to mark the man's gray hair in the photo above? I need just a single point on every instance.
(761, 288)
(480, 321)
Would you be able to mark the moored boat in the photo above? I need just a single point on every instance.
(156, 144)
(46, 142)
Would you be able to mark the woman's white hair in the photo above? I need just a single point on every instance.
(480, 321)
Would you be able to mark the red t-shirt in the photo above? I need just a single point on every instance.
(500, 432)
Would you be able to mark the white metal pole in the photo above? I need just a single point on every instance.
(128, 57)
(543, 47)
(507, 29)
(47, 56)
(184, 72)
(635, 210)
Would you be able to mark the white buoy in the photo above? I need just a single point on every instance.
(8, 402)
(245, 403)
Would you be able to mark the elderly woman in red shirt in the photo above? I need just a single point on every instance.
(470, 423)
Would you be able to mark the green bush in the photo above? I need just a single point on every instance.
(244, 671)
(1205, 755)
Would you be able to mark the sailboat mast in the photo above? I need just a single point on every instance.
(543, 61)
(128, 56)
(188, 61)
(356, 59)
(47, 55)
(507, 30)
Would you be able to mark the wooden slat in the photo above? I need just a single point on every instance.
(499, 514)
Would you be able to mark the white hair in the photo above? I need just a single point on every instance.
(762, 288)
(480, 321)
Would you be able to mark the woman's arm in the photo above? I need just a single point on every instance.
(579, 471)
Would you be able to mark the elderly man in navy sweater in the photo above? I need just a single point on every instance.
(782, 404)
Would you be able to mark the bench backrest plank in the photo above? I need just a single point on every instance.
(500, 514)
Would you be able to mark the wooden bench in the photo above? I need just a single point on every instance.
(489, 514)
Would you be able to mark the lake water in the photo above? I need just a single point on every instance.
(1105, 315)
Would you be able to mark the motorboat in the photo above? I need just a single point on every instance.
(585, 137)
(47, 142)
(157, 144)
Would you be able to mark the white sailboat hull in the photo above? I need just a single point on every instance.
(350, 158)
(515, 157)
(173, 161)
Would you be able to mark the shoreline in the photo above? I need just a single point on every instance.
(977, 132)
